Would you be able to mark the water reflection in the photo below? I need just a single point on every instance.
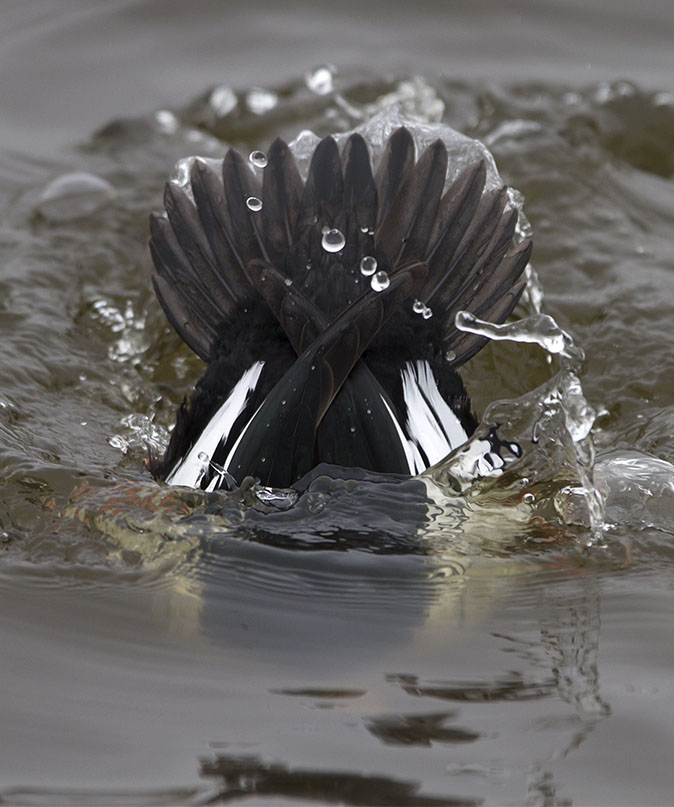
(419, 729)
(248, 776)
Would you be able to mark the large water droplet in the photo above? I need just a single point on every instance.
(418, 307)
(333, 241)
(368, 265)
(254, 204)
(380, 281)
(258, 158)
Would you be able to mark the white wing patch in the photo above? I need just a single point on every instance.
(412, 455)
(190, 470)
(431, 423)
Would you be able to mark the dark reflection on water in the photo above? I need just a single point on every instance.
(243, 776)
(420, 729)
(511, 687)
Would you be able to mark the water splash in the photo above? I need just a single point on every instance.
(550, 427)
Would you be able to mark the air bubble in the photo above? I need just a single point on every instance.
(254, 204)
(380, 281)
(368, 265)
(333, 241)
(258, 158)
(73, 196)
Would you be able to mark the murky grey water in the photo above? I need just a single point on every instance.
(376, 643)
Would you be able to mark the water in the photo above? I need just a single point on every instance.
(372, 641)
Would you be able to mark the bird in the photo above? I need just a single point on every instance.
(324, 308)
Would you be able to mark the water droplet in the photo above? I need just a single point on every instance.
(283, 402)
(254, 204)
(320, 80)
(353, 430)
(166, 121)
(222, 100)
(528, 498)
(364, 229)
(450, 355)
(418, 307)
(325, 229)
(288, 281)
(203, 456)
(333, 241)
(258, 158)
(368, 265)
(427, 313)
(380, 281)
(261, 101)
(263, 459)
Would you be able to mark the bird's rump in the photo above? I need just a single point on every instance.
(325, 308)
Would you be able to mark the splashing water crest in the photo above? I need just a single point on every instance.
(550, 427)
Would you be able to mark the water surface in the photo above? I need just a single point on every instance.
(369, 645)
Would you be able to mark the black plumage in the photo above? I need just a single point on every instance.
(307, 363)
